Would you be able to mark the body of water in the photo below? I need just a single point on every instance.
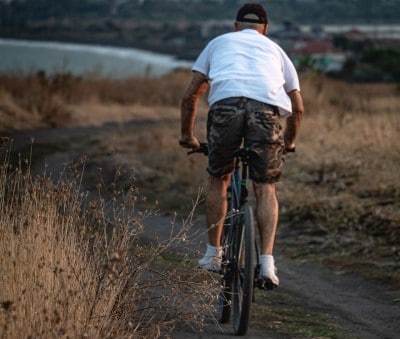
(27, 56)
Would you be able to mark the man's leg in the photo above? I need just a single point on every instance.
(267, 215)
(216, 205)
(267, 219)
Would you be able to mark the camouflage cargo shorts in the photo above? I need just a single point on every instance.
(235, 120)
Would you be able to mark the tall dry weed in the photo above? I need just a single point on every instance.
(72, 264)
(42, 97)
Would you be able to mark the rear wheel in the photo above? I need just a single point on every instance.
(243, 271)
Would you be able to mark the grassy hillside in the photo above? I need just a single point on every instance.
(340, 200)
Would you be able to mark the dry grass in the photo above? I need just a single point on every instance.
(39, 100)
(73, 265)
(341, 191)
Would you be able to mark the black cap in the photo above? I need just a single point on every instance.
(252, 12)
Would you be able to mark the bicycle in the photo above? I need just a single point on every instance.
(240, 264)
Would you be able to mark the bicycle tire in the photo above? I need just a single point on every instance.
(225, 301)
(243, 271)
(225, 294)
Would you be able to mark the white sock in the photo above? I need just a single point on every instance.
(266, 260)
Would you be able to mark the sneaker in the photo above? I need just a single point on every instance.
(210, 263)
(267, 279)
(212, 259)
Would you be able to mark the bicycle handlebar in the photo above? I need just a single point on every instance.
(202, 149)
(289, 150)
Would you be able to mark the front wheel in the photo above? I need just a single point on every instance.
(243, 270)
(224, 301)
(225, 294)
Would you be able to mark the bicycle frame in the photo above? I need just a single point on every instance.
(239, 181)
(240, 260)
(238, 192)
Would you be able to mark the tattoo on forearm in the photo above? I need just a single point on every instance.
(196, 88)
(293, 122)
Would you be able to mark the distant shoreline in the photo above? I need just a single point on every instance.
(79, 59)
(189, 50)
(182, 54)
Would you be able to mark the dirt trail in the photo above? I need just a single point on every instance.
(367, 310)
(362, 308)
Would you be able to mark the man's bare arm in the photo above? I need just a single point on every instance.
(293, 122)
(196, 88)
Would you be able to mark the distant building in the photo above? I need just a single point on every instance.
(320, 54)
(356, 35)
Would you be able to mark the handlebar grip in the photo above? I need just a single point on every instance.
(289, 150)
(202, 149)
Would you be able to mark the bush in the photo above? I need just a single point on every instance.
(75, 266)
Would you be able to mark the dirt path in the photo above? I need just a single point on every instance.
(367, 310)
(362, 309)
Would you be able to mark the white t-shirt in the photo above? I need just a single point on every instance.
(247, 63)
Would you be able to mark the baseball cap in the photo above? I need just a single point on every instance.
(252, 12)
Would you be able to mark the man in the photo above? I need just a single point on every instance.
(253, 84)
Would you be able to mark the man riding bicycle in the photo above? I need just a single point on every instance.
(253, 84)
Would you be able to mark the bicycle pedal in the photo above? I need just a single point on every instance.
(265, 284)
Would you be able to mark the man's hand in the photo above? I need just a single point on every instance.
(189, 142)
(289, 148)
